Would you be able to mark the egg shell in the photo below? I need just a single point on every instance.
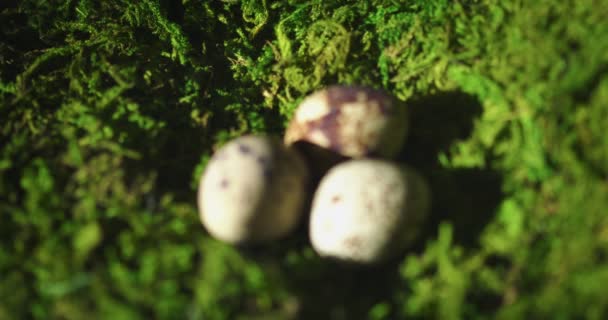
(352, 121)
(366, 211)
(253, 190)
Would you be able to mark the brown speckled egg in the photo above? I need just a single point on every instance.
(366, 211)
(253, 190)
(351, 121)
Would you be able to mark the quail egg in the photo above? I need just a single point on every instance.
(351, 121)
(252, 190)
(367, 210)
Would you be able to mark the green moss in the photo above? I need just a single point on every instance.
(109, 111)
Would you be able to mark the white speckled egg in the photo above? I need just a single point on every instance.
(351, 121)
(366, 211)
(253, 190)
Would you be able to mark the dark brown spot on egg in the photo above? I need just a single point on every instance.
(329, 126)
(353, 242)
(244, 149)
(383, 102)
(263, 161)
(359, 126)
(224, 183)
(336, 199)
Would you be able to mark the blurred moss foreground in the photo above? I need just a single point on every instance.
(110, 109)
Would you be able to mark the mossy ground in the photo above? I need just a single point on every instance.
(110, 109)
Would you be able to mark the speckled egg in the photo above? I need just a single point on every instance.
(366, 211)
(351, 121)
(253, 190)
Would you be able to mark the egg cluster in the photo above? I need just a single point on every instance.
(340, 142)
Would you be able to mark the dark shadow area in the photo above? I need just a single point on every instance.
(436, 122)
(18, 39)
(318, 159)
(171, 152)
(466, 197)
(331, 290)
(325, 288)
(585, 90)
